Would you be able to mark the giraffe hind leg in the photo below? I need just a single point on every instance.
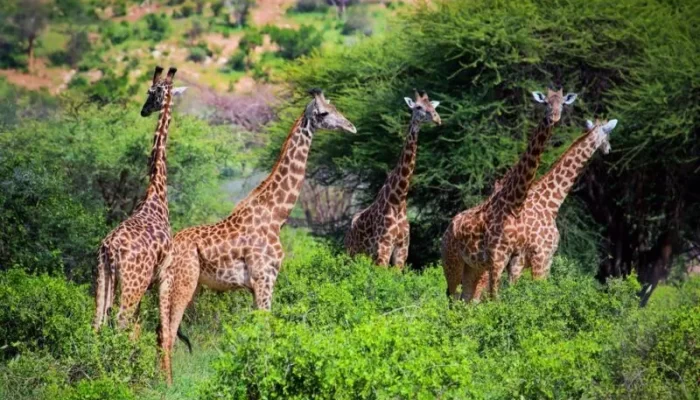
(101, 288)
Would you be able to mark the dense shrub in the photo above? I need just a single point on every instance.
(17, 104)
(304, 6)
(86, 174)
(157, 27)
(116, 33)
(345, 329)
(295, 43)
(45, 330)
(77, 46)
(186, 11)
(45, 227)
(199, 52)
(237, 61)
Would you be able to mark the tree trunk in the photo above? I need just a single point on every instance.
(30, 50)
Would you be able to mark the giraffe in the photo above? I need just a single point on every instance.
(381, 230)
(132, 252)
(243, 251)
(477, 240)
(539, 238)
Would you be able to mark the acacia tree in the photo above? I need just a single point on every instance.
(239, 11)
(634, 60)
(26, 20)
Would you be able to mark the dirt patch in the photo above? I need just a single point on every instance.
(49, 78)
(270, 12)
(227, 45)
(135, 13)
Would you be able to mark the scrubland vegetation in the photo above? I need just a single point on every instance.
(73, 165)
(346, 329)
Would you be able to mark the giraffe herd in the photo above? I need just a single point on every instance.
(515, 227)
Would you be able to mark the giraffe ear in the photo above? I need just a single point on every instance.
(570, 98)
(434, 104)
(607, 128)
(589, 125)
(179, 90)
(410, 102)
(539, 97)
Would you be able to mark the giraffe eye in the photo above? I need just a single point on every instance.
(323, 114)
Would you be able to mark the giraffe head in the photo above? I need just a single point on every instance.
(156, 93)
(322, 115)
(423, 109)
(601, 130)
(555, 102)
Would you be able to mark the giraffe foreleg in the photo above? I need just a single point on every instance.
(515, 267)
(481, 284)
(472, 277)
(452, 266)
(497, 266)
(401, 250)
(264, 270)
(384, 250)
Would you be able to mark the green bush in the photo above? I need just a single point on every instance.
(305, 6)
(18, 104)
(199, 52)
(45, 227)
(157, 27)
(186, 11)
(98, 390)
(295, 43)
(48, 343)
(237, 61)
(342, 328)
(87, 172)
(116, 33)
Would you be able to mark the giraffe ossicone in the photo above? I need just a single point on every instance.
(381, 230)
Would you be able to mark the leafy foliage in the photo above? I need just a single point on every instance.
(347, 329)
(295, 43)
(67, 181)
(17, 104)
(45, 330)
(157, 27)
(632, 60)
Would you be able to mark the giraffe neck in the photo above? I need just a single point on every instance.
(157, 170)
(397, 183)
(557, 183)
(280, 190)
(517, 184)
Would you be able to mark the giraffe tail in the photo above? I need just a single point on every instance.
(104, 294)
(185, 339)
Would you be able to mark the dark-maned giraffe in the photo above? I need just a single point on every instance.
(381, 230)
(481, 239)
(243, 251)
(538, 239)
(133, 251)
